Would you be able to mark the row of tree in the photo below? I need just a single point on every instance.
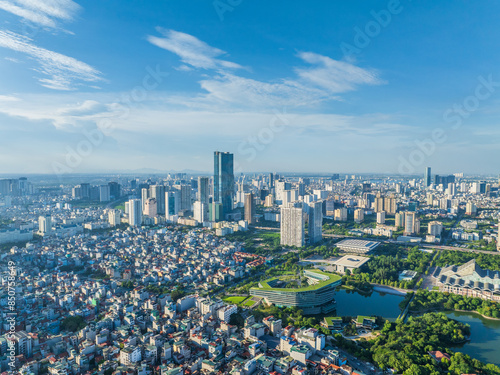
(405, 347)
(452, 257)
(425, 300)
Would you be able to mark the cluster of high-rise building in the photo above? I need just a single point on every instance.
(100, 193)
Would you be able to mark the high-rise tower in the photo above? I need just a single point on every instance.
(224, 180)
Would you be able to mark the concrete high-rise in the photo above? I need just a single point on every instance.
(114, 217)
(45, 225)
(144, 197)
(292, 225)
(271, 180)
(104, 193)
(399, 220)
(200, 211)
(359, 215)
(135, 213)
(390, 205)
(151, 207)
(315, 226)
(498, 236)
(280, 187)
(158, 192)
(427, 177)
(224, 181)
(203, 193)
(249, 208)
(412, 224)
(379, 203)
(185, 197)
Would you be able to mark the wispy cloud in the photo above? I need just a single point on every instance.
(322, 79)
(191, 50)
(45, 13)
(60, 71)
(8, 98)
(334, 76)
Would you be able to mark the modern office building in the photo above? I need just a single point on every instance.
(349, 263)
(469, 280)
(224, 181)
(200, 212)
(104, 193)
(249, 208)
(158, 192)
(135, 213)
(316, 298)
(292, 225)
(215, 211)
(114, 190)
(357, 246)
(203, 194)
(172, 202)
(427, 177)
(315, 226)
(184, 196)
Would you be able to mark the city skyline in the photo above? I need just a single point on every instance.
(314, 91)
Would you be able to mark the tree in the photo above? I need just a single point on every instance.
(176, 294)
(73, 323)
(414, 370)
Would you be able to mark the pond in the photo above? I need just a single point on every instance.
(484, 342)
(352, 303)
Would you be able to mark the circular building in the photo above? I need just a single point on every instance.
(316, 298)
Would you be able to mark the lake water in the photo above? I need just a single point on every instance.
(351, 303)
(484, 342)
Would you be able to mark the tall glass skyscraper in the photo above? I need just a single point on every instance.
(427, 176)
(224, 180)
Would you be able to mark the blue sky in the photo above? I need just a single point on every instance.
(343, 86)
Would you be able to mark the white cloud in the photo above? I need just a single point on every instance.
(44, 13)
(334, 76)
(191, 50)
(322, 80)
(60, 71)
(8, 98)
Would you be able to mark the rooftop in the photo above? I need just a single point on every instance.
(332, 278)
(351, 261)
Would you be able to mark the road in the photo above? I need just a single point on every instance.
(444, 247)
(427, 246)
